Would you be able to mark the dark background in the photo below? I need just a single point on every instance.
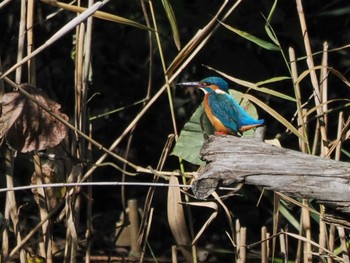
(120, 64)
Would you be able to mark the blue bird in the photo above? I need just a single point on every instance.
(224, 113)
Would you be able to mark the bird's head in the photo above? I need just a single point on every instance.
(209, 85)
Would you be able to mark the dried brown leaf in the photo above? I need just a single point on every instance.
(26, 126)
(212, 216)
(49, 176)
(176, 219)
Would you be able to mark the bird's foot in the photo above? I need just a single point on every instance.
(220, 133)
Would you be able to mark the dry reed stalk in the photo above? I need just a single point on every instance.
(343, 243)
(174, 258)
(306, 230)
(243, 245)
(323, 235)
(324, 83)
(148, 229)
(88, 231)
(88, 152)
(146, 216)
(264, 245)
(134, 227)
(21, 39)
(283, 248)
(313, 76)
(238, 241)
(341, 231)
(10, 212)
(41, 198)
(303, 145)
(45, 244)
(30, 42)
(339, 135)
(331, 242)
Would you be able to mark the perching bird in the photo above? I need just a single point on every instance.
(225, 114)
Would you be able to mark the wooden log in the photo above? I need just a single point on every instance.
(238, 159)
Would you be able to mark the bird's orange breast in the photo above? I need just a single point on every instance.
(219, 127)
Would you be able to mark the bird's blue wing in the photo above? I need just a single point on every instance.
(244, 119)
(223, 109)
(230, 113)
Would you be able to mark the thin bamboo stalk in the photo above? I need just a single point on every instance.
(313, 76)
(85, 83)
(324, 82)
(303, 145)
(30, 42)
(306, 229)
(343, 243)
(88, 231)
(134, 227)
(238, 241)
(11, 211)
(21, 38)
(331, 242)
(322, 232)
(339, 135)
(264, 256)
(243, 245)
(283, 248)
(41, 194)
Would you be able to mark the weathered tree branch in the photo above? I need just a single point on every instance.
(232, 159)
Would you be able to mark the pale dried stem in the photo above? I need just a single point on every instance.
(283, 248)
(303, 145)
(148, 229)
(323, 236)
(21, 38)
(30, 43)
(264, 245)
(316, 139)
(324, 82)
(45, 244)
(11, 211)
(88, 153)
(341, 231)
(134, 226)
(313, 76)
(339, 136)
(238, 241)
(331, 242)
(243, 245)
(41, 194)
(343, 243)
(4, 3)
(306, 229)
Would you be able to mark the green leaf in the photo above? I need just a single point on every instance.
(172, 20)
(191, 138)
(268, 28)
(272, 80)
(260, 42)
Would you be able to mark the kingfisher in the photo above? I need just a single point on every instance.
(224, 113)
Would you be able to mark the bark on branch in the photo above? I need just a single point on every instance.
(232, 159)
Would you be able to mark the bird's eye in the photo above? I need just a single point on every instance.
(206, 83)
